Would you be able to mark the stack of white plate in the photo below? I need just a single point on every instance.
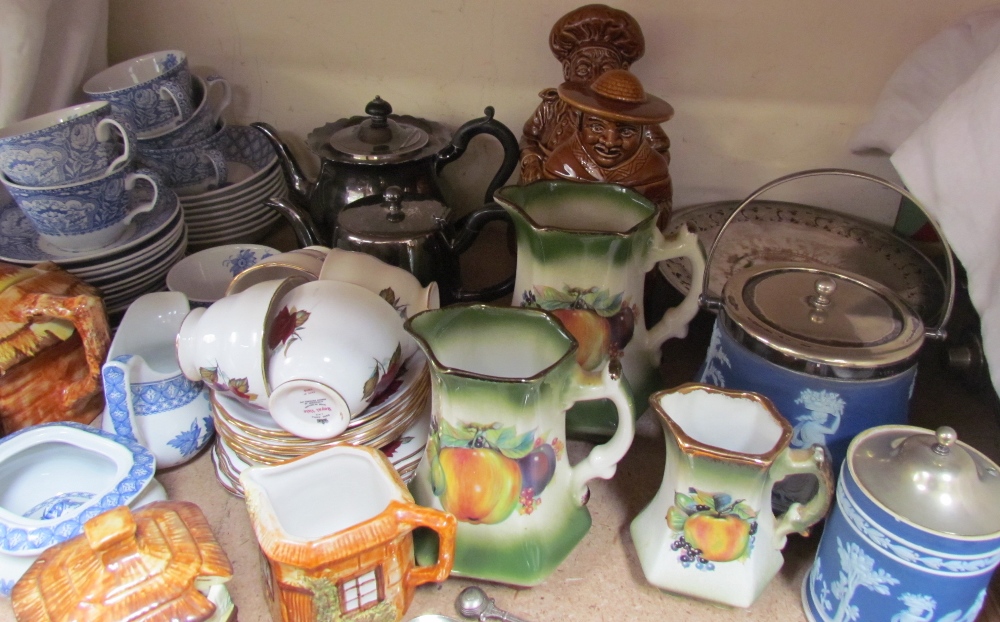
(235, 213)
(397, 422)
(135, 264)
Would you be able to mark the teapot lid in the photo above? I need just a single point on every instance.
(928, 478)
(379, 138)
(821, 322)
(393, 216)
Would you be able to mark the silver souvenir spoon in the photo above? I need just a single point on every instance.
(473, 603)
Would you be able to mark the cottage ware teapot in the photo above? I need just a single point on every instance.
(914, 534)
(583, 251)
(363, 155)
(710, 531)
(835, 351)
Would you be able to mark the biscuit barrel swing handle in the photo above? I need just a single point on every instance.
(938, 332)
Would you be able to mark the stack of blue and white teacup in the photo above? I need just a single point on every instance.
(68, 172)
(175, 118)
(216, 169)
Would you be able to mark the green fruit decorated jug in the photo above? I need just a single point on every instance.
(502, 380)
(583, 251)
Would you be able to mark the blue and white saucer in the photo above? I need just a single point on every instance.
(21, 244)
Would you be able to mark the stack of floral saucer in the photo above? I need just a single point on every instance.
(135, 264)
(397, 421)
(235, 213)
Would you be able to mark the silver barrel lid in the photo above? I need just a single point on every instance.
(822, 322)
(930, 479)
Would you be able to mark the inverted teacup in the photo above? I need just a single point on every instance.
(152, 92)
(64, 146)
(189, 169)
(85, 215)
(204, 121)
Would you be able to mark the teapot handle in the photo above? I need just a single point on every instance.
(799, 517)
(602, 461)
(483, 125)
(88, 317)
(468, 229)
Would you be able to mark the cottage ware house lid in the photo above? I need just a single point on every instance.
(929, 478)
(822, 322)
(150, 565)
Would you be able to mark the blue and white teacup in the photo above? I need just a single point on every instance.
(189, 169)
(203, 122)
(86, 215)
(152, 93)
(64, 146)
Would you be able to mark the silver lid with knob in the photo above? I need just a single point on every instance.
(821, 322)
(928, 478)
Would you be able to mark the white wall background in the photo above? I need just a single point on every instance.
(760, 87)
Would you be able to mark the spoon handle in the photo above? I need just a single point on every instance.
(496, 613)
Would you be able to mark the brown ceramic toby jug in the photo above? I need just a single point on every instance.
(583, 251)
(336, 529)
(53, 339)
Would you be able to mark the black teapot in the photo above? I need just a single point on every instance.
(363, 155)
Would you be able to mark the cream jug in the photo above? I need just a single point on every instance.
(710, 532)
(583, 251)
(502, 380)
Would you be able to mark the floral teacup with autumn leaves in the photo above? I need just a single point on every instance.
(224, 344)
(314, 354)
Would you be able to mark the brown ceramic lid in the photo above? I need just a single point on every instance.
(145, 566)
(618, 95)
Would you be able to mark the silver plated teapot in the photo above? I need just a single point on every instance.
(361, 156)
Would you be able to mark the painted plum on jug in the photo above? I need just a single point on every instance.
(602, 323)
(710, 528)
(483, 473)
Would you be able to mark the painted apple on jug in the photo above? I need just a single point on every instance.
(481, 474)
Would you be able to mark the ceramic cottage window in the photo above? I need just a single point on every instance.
(361, 592)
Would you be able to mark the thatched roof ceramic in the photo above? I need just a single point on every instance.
(146, 566)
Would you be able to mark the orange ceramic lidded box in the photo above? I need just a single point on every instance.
(336, 529)
(53, 339)
(161, 562)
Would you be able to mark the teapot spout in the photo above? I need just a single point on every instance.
(300, 185)
(302, 224)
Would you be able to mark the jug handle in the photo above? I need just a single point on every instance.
(602, 461)
(468, 229)
(120, 418)
(799, 517)
(483, 125)
(444, 525)
(674, 322)
(87, 315)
